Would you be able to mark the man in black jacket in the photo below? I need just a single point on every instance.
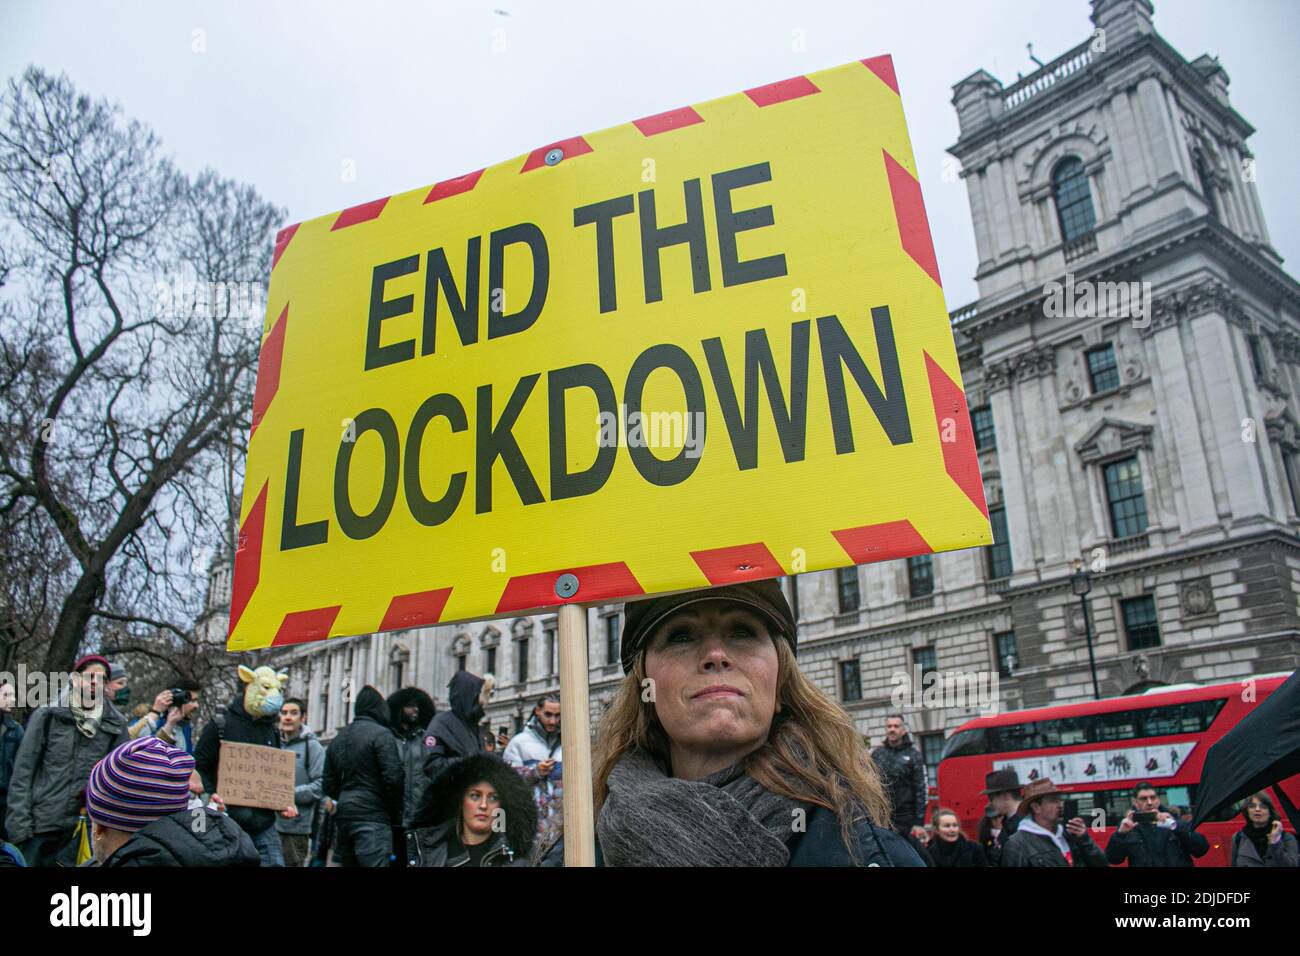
(454, 733)
(409, 712)
(1158, 839)
(1041, 840)
(1002, 787)
(902, 771)
(250, 719)
(363, 773)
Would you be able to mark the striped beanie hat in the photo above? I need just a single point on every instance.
(137, 783)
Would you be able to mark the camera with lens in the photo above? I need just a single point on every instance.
(180, 697)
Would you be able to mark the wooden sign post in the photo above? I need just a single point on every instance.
(575, 728)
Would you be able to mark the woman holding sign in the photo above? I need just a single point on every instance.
(718, 751)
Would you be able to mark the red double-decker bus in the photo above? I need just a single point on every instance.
(1099, 750)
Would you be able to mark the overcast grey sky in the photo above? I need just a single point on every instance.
(413, 92)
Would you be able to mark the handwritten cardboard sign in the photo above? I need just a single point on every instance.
(253, 776)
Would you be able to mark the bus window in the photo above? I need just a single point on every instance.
(1078, 805)
(1121, 725)
(1178, 796)
(965, 743)
(1192, 718)
(1229, 811)
(1064, 731)
(1013, 737)
(1189, 718)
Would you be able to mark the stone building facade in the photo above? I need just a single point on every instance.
(1133, 370)
(521, 654)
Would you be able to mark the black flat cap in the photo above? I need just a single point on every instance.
(764, 597)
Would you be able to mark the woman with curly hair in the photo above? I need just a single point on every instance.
(478, 812)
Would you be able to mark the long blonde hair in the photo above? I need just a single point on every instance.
(813, 753)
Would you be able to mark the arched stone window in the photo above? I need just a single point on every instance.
(398, 659)
(460, 648)
(1074, 208)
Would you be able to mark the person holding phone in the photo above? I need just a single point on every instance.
(1149, 835)
(1262, 841)
(1041, 840)
(536, 753)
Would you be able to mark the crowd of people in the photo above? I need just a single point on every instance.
(715, 751)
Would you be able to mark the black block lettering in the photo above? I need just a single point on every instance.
(378, 355)
(890, 405)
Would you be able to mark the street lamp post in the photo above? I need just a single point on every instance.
(519, 712)
(1081, 582)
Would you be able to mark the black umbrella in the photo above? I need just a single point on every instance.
(1263, 749)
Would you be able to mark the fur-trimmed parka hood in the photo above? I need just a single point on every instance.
(442, 799)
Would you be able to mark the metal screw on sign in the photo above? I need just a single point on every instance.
(566, 585)
(553, 157)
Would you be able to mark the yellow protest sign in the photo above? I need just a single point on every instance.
(706, 346)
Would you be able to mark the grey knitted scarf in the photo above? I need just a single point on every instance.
(87, 716)
(726, 819)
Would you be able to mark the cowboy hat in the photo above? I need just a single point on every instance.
(1036, 791)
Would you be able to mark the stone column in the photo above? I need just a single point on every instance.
(1014, 494)
(1043, 432)
(1159, 130)
(1130, 148)
(1243, 476)
(1179, 425)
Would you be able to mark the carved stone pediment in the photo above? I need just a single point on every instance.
(1021, 367)
(1111, 437)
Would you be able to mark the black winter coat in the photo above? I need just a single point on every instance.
(820, 845)
(454, 733)
(180, 840)
(362, 769)
(410, 745)
(439, 812)
(962, 853)
(993, 845)
(1031, 849)
(902, 770)
(1147, 845)
(238, 727)
(11, 735)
